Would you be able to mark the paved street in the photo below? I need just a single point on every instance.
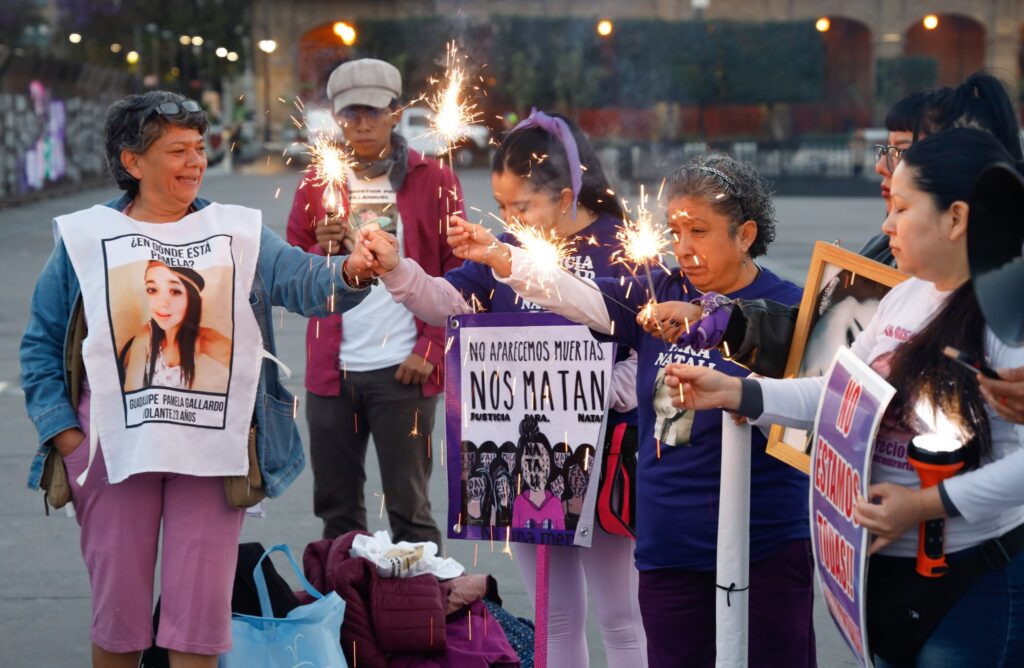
(44, 594)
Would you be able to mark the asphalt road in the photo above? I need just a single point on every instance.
(44, 591)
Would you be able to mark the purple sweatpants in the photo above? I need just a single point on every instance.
(120, 533)
(678, 609)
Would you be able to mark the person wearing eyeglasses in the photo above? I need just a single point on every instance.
(162, 481)
(758, 332)
(379, 370)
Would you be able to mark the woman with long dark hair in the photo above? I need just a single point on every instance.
(976, 609)
(545, 175)
(759, 332)
(172, 346)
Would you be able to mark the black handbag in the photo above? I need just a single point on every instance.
(903, 608)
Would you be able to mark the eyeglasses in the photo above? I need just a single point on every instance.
(892, 155)
(175, 109)
(356, 113)
(172, 110)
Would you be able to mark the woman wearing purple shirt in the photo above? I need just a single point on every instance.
(721, 218)
(537, 180)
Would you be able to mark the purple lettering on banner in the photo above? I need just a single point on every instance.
(850, 411)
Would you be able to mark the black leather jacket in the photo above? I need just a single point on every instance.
(760, 331)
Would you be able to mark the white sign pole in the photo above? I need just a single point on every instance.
(732, 596)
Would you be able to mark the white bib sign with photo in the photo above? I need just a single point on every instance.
(173, 353)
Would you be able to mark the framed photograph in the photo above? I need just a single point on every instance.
(840, 297)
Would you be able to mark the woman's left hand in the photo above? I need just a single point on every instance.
(668, 320)
(475, 242)
(895, 511)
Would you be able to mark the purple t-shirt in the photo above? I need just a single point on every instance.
(594, 246)
(677, 492)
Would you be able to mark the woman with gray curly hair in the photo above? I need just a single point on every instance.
(167, 456)
(721, 218)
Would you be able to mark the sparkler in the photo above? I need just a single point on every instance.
(330, 166)
(642, 241)
(550, 253)
(453, 111)
(547, 251)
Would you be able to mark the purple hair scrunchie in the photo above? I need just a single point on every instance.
(709, 331)
(560, 129)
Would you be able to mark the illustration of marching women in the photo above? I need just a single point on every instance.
(721, 217)
(565, 195)
(970, 616)
(147, 363)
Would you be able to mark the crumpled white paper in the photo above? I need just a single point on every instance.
(404, 559)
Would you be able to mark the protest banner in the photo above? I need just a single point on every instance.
(525, 402)
(849, 414)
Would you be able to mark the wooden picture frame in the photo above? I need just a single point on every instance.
(840, 297)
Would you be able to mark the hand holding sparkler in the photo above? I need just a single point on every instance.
(668, 320)
(376, 252)
(330, 235)
(701, 388)
(329, 167)
(475, 242)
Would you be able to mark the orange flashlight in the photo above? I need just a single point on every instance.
(935, 458)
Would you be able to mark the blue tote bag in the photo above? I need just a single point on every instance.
(308, 637)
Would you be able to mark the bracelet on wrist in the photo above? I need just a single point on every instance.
(355, 281)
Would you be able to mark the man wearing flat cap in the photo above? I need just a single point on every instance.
(379, 372)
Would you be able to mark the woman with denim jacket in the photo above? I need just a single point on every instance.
(155, 151)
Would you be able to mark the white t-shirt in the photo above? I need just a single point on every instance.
(989, 498)
(377, 333)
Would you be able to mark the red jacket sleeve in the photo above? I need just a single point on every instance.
(302, 218)
(430, 344)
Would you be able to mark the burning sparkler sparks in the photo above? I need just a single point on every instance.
(453, 111)
(330, 166)
(546, 250)
(643, 241)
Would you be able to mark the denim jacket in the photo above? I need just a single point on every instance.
(284, 277)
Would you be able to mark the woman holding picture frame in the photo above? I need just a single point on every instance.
(976, 608)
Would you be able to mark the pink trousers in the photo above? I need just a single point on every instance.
(120, 534)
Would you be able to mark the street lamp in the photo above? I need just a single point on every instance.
(197, 41)
(604, 27)
(267, 46)
(823, 24)
(221, 52)
(346, 31)
(132, 57)
(930, 22)
(74, 38)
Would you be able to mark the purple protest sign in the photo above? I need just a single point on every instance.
(850, 410)
(525, 404)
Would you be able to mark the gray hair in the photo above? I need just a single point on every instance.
(734, 189)
(131, 126)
